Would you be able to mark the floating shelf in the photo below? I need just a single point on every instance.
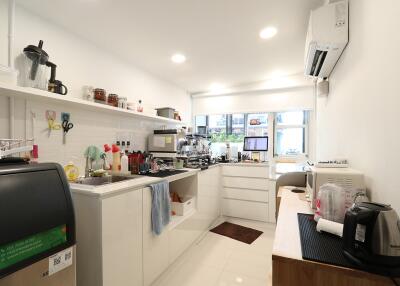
(41, 95)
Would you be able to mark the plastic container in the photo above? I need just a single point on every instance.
(116, 165)
(33, 73)
(124, 164)
(187, 205)
(71, 172)
(178, 164)
(331, 203)
(167, 112)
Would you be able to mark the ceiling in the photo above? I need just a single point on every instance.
(220, 38)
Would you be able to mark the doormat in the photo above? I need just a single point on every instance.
(238, 232)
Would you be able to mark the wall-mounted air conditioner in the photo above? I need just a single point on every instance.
(327, 36)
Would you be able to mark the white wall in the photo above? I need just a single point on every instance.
(81, 63)
(360, 118)
(261, 101)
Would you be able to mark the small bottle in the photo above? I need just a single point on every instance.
(71, 171)
(124, 163)
(140, 107)
(123, 147)
(116, 165)
(107, 151)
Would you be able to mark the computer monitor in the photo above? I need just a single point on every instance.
(256, 143)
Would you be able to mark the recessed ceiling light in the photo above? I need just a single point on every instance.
(268, 33)
(178, 58)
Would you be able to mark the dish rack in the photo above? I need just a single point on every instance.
(13, 146)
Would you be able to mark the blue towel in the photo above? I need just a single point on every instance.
(160, 206)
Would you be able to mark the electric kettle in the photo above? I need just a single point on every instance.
(371, 238)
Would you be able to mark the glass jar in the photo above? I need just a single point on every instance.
(99, 95)
(112, 100)
(122, 102)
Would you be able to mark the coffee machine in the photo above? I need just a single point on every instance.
(371, 238)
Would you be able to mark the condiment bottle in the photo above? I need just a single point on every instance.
(116, 166)
(109, 160)
(124, 163)
(140, 107)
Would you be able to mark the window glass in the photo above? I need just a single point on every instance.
(290, 133)
(257, 124)
(290, 118)
(217, 124)
(201, 124)
(289, 141)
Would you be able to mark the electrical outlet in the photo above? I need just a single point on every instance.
(65, 116)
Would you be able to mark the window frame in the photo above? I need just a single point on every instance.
(306, 134)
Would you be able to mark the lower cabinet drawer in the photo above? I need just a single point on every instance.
(246, 183)
(244, 194)
(245, 209)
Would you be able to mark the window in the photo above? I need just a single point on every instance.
(257, 124)
(201, 124)
(290, 128)
(290, 133)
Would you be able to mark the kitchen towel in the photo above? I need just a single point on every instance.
(160, 206)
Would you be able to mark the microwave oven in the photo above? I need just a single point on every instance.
(347, 178)
(164, 143)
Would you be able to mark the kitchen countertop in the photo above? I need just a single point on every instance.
(263, 164)
(287, 236)
(135, 183)
(281, 168)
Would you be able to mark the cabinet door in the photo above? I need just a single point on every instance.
(122, 239)
(209, 196)
(155, 247)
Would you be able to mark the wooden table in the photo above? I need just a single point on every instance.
(288, 266)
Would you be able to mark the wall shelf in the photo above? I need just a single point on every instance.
(48, 97)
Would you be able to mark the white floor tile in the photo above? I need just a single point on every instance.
(221, 261)
(233, 279)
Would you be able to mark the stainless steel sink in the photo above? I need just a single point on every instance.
(98, 181)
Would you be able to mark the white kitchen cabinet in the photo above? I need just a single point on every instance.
(246, 192)
(245, 171)
(109, 238)
(245, 209)
(155, 247)
(209, 196)
(246, 183)
(122, 239)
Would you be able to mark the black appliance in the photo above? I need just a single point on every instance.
(371, 238)
(36, 214)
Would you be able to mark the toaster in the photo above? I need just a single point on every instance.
(371, 238)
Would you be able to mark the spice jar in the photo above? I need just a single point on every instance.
(99, 95)
(112, 100)
(122, 102)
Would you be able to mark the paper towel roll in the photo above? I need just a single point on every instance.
(330, 226)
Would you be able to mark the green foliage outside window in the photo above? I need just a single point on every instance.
(222, 137)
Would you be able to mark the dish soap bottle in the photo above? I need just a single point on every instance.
(71, 171)
(116, 165)
(109, 160)
(124, 163)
